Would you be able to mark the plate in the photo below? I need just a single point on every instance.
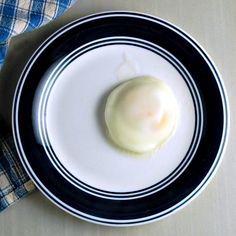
(58, 119)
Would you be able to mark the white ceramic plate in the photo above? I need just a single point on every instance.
(58, 119)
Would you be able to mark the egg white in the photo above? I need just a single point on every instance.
(141, 114)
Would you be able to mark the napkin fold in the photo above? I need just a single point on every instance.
(14, 182)
(18, 16)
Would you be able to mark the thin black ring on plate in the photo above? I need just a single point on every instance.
(55, 160)
(151, 207)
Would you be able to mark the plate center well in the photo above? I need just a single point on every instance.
(75, 119)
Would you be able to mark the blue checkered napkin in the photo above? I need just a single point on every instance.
(14, 182)
(18, 16)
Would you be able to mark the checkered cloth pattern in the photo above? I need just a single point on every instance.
(18, 16)
(14, 182)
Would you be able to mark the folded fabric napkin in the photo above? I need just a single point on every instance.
(18, 16)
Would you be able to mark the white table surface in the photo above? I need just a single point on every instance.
(213, 24)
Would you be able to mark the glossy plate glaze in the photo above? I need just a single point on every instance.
(58, 119)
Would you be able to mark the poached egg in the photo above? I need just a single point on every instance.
(141, 114)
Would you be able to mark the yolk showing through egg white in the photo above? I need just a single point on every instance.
(141, 114)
